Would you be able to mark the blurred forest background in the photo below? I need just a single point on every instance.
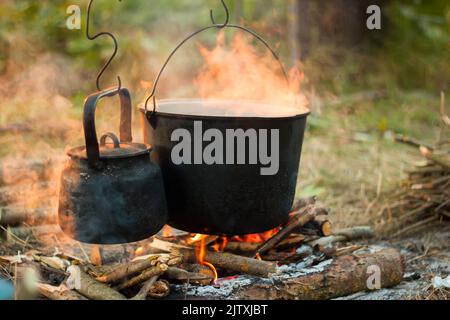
(363, 85)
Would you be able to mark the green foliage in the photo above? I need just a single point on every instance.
(416, 47)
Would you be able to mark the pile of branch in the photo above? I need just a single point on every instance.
(423, 200)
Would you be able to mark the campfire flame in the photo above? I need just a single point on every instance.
(200, 254)
(256, 238)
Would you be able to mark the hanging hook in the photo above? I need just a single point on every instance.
(227, 20)
(95, 37)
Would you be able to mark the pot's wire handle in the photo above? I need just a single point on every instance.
(90, 133)
(214, 26)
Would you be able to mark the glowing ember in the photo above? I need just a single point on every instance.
(167, 231)
(139, 251)
(256, 238)
(196, 238)
(96, 256)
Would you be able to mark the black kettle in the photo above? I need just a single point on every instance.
(111, 192)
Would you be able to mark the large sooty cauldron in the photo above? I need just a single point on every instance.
(111, 192)
(227, 199)
(209, 197)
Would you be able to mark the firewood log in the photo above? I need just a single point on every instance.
(89, 287)
(323, 225)
(143, 292)
(128, 269)
(157, 270)
(290, 242)
(226, 261)
(234, 246)
(298, 220)
(159, 290)
(233, 262)
(355, 233)
(303, 202)
(181, 275)
(58, 293)
(349, 234)
(346, 275)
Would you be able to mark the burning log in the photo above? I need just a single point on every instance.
(233, 262)
(346, 275)
(89, 287)
(226, 261)
(298, 220)
(235, 246)
(14, 216)
(58, 293)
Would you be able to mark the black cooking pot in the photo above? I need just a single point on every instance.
(228, 199)
(111, 193)
(235, 195)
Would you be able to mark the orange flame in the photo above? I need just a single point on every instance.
(256, 238)
(200, 254)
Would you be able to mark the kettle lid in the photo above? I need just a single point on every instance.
(113, 150)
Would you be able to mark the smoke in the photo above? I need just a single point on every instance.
(242, 73)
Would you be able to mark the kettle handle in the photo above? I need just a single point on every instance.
(90, 133)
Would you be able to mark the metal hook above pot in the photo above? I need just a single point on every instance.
(102, 71)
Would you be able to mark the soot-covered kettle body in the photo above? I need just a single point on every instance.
(111, 192)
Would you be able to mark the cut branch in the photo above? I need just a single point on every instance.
(126, 270)
(142, 294)
(89, 287)
(181, 275)
(58, 293)
(299, 219)
(349, 234)
(233, 262)
(144, 276)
